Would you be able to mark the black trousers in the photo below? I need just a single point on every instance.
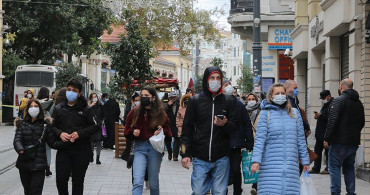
(109, 141)
(75, 162)
(176, 146)
(235, 170)
(319, 147)
(32, 181)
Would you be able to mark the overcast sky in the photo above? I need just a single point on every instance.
(211, 4)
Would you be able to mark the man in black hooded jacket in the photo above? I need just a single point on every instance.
(74, 123)
(209, 119)
(343, 133)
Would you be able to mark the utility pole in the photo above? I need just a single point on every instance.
(197, 57)
(1, 62)
(257, 46)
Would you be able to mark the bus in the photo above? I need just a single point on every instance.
(32, 76)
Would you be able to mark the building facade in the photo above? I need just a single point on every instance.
(329, 45)
(277, 22)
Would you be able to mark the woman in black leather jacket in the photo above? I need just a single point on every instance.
(33, 130)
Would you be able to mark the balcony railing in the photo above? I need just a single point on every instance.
(239, 6)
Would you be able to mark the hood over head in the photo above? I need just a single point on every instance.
(207, 73)
(351, 94)
(32, 91)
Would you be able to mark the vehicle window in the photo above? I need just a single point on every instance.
(35, 79)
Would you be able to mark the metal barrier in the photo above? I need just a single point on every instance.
(120, 140)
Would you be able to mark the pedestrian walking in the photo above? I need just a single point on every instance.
(172, 107)
(111, 116)
(59, 97)
(20, 112)
(322, 122)
(209, 120)
(30, 95)
(254, 109)
(239, 138)
(280, 142)
(292, 94)
(343, 134)
(46, 104)
(74, 124)
(29, 142)
(181, 113)
(148, 119)
(135, 102)
(96, 138)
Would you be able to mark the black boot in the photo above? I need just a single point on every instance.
(98, 160)
(47, 171)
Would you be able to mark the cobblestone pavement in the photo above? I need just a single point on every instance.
(112, 176)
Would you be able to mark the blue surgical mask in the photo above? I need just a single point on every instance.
(229, 90)
(295, 93)
(105, 100)
(279, 99)
(71, 96)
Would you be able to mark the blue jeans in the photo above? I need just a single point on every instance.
(210, 174)
(342, 156)
(146, 157)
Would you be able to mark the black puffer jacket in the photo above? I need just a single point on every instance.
(77, 118)
(242, 137)
(200, 137)
(28, 133)
(99, 118)
(322, 121)
(346, 119)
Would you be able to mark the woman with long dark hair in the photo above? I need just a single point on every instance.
(280, 142)
(96, 138)
(142, 123)
(46, 103)
(34, 131)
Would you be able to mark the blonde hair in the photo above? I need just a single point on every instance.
(288, 106)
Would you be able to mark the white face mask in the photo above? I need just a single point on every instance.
(279, 99)
(214, 85)
(229, 90)
(95, 99)
(137, 103)
(325, 101)
(252, 103)
(34, 111)
(29, 96)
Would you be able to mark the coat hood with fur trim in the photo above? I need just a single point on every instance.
(186, 96)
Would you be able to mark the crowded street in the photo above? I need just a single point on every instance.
(112, 176)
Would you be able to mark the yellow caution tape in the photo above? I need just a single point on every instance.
(10, 106)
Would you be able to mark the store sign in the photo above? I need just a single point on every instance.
(279, 38)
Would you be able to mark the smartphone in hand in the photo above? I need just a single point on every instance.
(220, 116)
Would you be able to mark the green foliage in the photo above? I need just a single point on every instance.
(166, 22)
(245, 82)
(219, 63)
(10, 63)
(67, 71)
(130, 58)
(44, 31)
(198, 83)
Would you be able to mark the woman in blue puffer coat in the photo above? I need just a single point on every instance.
(279, 143)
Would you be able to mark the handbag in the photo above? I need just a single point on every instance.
(311, 154)
(29, 152)
(248, 175)
(130, 159)
(103, 129)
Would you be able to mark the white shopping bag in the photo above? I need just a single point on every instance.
(157, 141)
(307, 185)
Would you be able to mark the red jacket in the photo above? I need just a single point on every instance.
(143, 125)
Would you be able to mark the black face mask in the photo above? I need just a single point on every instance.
(145, 101)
